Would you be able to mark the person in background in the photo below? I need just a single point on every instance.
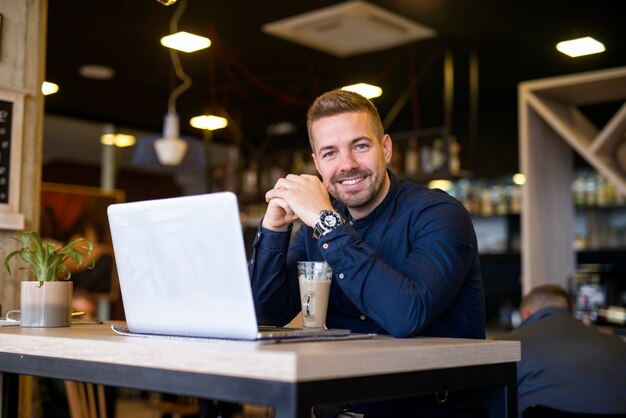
(404, 257)
(566, 364)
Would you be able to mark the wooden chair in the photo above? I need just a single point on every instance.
(86, 400)
(178, 408)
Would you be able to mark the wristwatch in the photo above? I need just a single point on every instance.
(327, 221)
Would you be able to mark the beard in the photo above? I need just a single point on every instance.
(357, 198)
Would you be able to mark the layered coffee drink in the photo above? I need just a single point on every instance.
(315, 279)
(314, 297)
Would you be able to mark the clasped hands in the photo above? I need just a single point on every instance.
(295, 197)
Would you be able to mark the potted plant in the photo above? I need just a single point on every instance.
(47, 301)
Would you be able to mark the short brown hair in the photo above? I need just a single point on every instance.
(546, 296)
(339, 101)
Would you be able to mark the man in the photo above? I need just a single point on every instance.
(404, 257)
(565, 364)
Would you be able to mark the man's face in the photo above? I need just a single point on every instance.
(352, 160)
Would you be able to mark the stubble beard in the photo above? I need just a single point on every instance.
(359, 198)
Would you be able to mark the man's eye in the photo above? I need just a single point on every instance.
(361, 147)
(328, 154)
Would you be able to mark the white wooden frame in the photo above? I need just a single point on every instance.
(10, 216)
(550, 128)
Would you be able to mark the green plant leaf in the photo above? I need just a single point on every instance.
(47, 260)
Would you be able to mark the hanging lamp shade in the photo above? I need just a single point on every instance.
(145, 155)
(170, 149)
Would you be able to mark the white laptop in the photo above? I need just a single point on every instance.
(183, 271)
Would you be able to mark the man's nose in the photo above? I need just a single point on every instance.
(348, 162)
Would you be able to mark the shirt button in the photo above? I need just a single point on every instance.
(325, 245)
(341, 276)
(258, 234)
(362, 317)
(351, 223)
(252, 261)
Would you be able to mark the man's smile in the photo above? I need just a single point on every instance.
(350, 182)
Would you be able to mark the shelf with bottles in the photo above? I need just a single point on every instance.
(591, 190)
(600, 222)
(489, 197)
(495, 204)
(427, 154)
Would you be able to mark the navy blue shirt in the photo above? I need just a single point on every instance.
(408, 268)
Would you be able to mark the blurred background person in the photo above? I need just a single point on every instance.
(566, 364)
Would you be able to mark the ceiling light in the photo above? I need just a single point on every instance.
(519, 179)
(185, 41)
(208, 122)
(366, 90)
(119, 140)
(581, 46)
(96, 72)
(49, 88)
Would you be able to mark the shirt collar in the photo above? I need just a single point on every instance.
(544, 313)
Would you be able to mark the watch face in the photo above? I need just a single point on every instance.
(330, 220)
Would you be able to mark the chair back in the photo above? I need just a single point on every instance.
(86, 400)
(540, 411)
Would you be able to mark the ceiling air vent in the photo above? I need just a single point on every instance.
(350, 28)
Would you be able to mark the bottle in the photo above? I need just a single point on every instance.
(486, 202)
(455, 151)
(516, 199)
(411, 157)
(611, 315)
(438, 157)
(396, 162)
(250, 178)
(298, 166)
(426, 158)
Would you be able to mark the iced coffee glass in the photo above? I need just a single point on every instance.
(315, 278)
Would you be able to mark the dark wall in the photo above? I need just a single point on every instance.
(137, 185)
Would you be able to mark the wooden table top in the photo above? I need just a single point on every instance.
(284, 362)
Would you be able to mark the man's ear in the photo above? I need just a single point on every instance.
(387, 148)
(315, 162)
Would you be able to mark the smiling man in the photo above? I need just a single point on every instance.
(404, 257)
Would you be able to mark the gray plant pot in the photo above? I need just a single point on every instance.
(47, 306)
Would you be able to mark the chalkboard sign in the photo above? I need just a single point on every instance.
(6, 112)
(11, 123)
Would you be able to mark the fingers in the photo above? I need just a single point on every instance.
(279, 215)
(283, 205)
(294, 181)
(305, 195)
